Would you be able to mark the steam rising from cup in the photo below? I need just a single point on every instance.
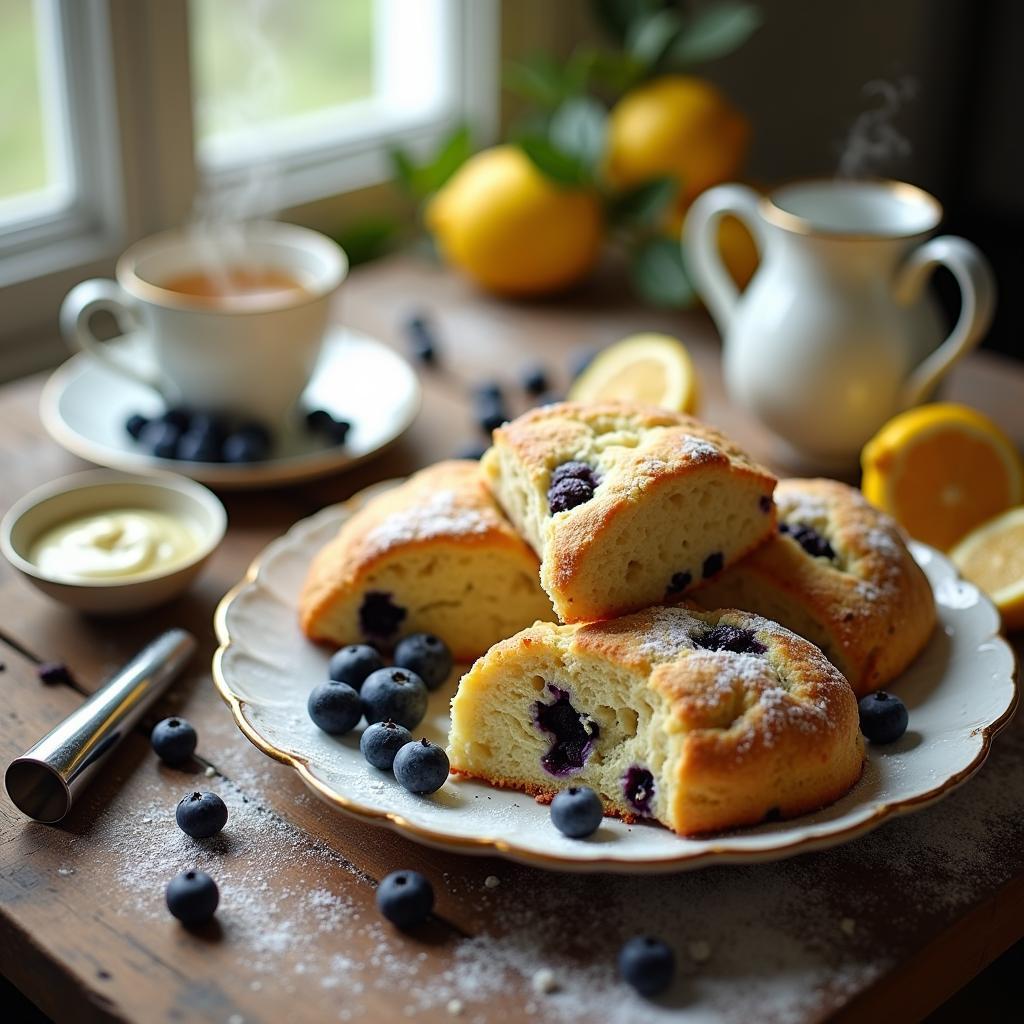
(874, 142)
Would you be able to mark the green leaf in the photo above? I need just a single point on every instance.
(616, 71)
(652, 35)
(578, 128)
(659, 275)
(405, 171)
(716, 30)
(454, 152)
(366, 239)
(540, 79)
(560, 167)
(617, 16)
(644, 205)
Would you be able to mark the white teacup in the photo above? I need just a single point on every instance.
(249, 354)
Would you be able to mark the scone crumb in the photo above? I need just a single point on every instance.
(210, 771)
(544, 982)
(847, 926)
(699, 951)
(492, 881)
(455, 1007)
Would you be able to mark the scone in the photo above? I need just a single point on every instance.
(434, 554)
(627, 506)
(700, 720)
(838, 573)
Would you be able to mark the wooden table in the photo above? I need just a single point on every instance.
(885, 927)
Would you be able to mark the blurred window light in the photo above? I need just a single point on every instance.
(37, 176)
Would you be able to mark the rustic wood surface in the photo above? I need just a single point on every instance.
(886, 927)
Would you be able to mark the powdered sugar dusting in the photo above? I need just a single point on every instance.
(696, 449)
(440, 515)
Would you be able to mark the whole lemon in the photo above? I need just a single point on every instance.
(511, 229)
(679, 125)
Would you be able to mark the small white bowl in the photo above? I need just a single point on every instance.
(97, 491)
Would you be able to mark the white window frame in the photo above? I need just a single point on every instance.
(130, 107)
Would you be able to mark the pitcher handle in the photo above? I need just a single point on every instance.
(978, 300)
(700, 246)
(76, 312)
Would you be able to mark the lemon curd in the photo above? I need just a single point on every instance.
(119, 544)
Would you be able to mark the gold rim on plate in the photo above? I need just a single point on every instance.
(491, 845)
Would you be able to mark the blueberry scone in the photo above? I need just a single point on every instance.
(432, 555)
(838, 573)
(627, 506)
(699, 720)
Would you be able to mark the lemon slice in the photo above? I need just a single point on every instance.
(942, 470)
(653, 369)
(992, 556)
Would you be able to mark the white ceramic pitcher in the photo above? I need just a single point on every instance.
(835, 334)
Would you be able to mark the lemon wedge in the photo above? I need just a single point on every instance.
(992, 556)
(653, 369)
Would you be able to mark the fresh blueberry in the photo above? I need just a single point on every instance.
(487, 391)
(134, 425)
(243, 447)
(808, 538)
(471, 451)
(883, 717)
(568, 493)
(394, 693)
(490, 413)
(381, 741)
(178, 416)
(712, 564)
(192, 897)
(426, 655)
(195, 446)
(334, 707)
(647, 964)
(576, 812)
(405, 898)
(201, 815)
(55, 673)
(317, 420)
(535, 380)
(352, 664)
(421, 340)
(421, 767)
(173, 740)
(574, 470)
(160, 438)
(573, 735)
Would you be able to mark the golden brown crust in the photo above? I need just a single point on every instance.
(871, 609)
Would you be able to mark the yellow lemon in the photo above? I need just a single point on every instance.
(942, 470)
(653, 369)
(993, 557)
(512, 230)
(678, 125)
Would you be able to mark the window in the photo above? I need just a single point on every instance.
(123, 119)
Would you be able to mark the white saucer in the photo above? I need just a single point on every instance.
(84, 407)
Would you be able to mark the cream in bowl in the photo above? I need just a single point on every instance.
(109, 542)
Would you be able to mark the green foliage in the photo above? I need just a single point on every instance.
(659, 275)
(645, 205)
(421, 180)
(715, 31)
(366, 239)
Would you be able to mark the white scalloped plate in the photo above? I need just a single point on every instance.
(960, 692)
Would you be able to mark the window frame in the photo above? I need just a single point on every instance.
(127, 65)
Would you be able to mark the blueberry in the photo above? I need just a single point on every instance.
(178, 416)
(568, 493)
(257, 430)
(574, 470)
(405, 898)
(487, 391)
(192, 897)
(647, 964)
(426, 655)
(421, 767)
(381, 741)
(638, 789)
(394, 693)
(730, 638)
(194, 446)
(334, 707)
(55, 673)
(379, 616)
(679, 582)
(712, 564)
(535, 380)
(490, 413)
(764, 503)
(160, 438)
(577, 812)
(244, 447)
(573, 735)
(883, 717)
(201, 815)
(809, 539)
(317, 420)
(173, 740)
(352, 664)
(134, 425)
(421, 340)
(471, 451)
(337, 431)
